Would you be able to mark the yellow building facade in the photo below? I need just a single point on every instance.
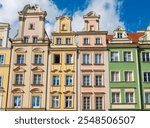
(4, 63)
(62, 67)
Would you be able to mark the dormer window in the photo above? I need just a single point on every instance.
(31, 26)
(119, 35)
(91, 28)
(63, 27)
(0, 42)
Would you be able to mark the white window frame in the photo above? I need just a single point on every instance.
(69, 99)
(19, 103)
(58, 40)
(129, 98)
(115, 78)
(56, 78)
(69, 78)
(86, 58)
(1, 82)
(99, 104)
(36, 106)
(117, 98)
(145, 55)
(55, 101)
(39, 59)
(22, 59)
(20, 80)
(68, 40)
(114, 58)
(86, 81)
(147, 76)
(2, 60)
(86, 41)
(69, 58)
(36, 80)
(99, 42)
(147, 98)
(126, 58)
(86, 103)
(98, 60)
(128, 79)
(99, 83)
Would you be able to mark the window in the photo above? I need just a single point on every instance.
(20, 59)
(147, 98)
(86, 103)
(55, 101)
(127, 56)
(146, 76)
(19, 79)
(99, 103)
(85, 41)
(17, 102)
(63, 27)
(68, 101)
(68, 58)
(1, 59)
(86, 59)
(114, 76)
(57, 59)
(91, 28)
(119, 35)
(35, 39)
(128, 76)
(35, 101)
(115, 97)
(146, 56)
(97, 41)
(26, 40)
(129, 97)
(86, 80)
(114, 56)
(56, 81)
(68, 41)
(1, 41)
(0, 102)
(31, 26)
(69, 80)
(38, 59)
(98, 80)
(98, 58)
(58, 40)
(1, 80)
(37, 79)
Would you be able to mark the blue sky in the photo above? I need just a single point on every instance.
(134, 13)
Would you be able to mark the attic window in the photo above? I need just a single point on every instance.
(31, 26)
(63, 27)
(91, 28)
(119, 35)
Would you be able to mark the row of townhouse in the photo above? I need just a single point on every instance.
(84, 70)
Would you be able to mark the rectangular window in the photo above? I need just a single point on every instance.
(128, 76)
(0, 102)
(147, 98)
(35, 102)
(98, 80)
(37, 79)
(69, 80)
(85, 41)
(55, 101)
(20, 59)
(98, 58)
(146, 56)
(146, 76)
(57, 59)
(86, 59)
(86, 80)
(31, 26)
(68, 102)
(98, 41)
(86, 103)
(127, 56)
(1, 59)
(114, 76)
(19, 79)
(115, 97)
(38, 59)
(99, 103)
(58, 40)
(35, 40)
(1, 80)
(69, 58)
(68, 40)
(91, 28)
(1, 42)
(17, 102)
(129, 97)
(114, 56)
(56, 81)
(119, 35)
(25, 39)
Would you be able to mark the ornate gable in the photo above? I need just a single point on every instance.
(19, 69)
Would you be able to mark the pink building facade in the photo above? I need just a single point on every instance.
(92, 63)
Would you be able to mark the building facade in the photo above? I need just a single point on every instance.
(5, 51)
(92, 66)
(144, 68)
(29, 62)
(62, 88)
(124, 82)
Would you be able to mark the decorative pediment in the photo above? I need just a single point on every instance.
(38, 50)
(37, 69)
(36, 90)
(20, 50)
(91, 14)
(19, 69)
(69, 92)
(17, 90)
(55, 92)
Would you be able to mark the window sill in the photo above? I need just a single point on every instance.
(68, 85)
(86, 64)
(37, 84)
(55, 85)
(69, 108)
(69, 63)
(98, 44)
(121, 61)
(86, 85)
(85, 44)
(123, 103)
(99, 64)
(146, 82)
(37, 64)
(99, 86)
(18, 84)
(20, 64)
(56, 63)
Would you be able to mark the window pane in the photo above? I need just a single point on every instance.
(86, 80)
(99, 103)
(114, 56)
(0, 81)
(35, 101)
(68, 101)
(55, 101)
(86, 103)
(17, 101)
(1, 59)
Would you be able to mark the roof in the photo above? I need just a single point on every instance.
(134, 37)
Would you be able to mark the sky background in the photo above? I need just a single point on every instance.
(132, 15)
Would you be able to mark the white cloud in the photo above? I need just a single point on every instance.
(110, 18)
(109, 11)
